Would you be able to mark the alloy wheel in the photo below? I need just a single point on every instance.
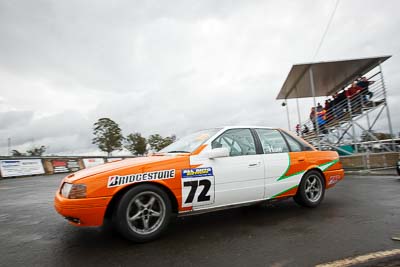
(145, 213)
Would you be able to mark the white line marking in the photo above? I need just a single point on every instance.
(361, 259)
(5, 188)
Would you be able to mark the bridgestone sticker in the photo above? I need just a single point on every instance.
(117, 180)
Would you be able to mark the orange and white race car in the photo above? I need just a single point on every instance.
(208, 170)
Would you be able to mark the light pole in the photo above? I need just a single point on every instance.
(287, 113)
(9, 146)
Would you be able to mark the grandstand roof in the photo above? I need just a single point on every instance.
(329, 76)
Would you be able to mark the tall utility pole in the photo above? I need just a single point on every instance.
(9, 145)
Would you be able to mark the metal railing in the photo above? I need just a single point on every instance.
(337, 127)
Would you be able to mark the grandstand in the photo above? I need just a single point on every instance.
(347, 123)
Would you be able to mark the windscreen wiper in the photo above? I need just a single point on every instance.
(178, 151)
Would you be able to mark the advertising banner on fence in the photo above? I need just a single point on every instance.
(21, 167)
(93, 162)
(65, 165)
(113, 159)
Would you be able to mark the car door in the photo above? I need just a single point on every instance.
(237, 178)
(283, 162)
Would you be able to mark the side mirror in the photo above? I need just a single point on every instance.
(217, 153)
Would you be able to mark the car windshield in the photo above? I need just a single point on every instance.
(189, 143)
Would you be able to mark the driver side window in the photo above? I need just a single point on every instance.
(238, 141)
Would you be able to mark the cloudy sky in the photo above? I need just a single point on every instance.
(170, 67)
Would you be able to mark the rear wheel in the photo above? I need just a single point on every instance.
(311, 190)
(143, 213)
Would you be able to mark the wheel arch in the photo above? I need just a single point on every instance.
(115, 199)
(300, 197)
(317, 170)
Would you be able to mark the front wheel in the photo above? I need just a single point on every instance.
(311, 190)
(143, 213)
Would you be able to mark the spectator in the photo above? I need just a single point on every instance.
(305, 129)
(328, 108)
(319, 107)
(312, 117)
(334, 107)
(353, 93)
(340, 103)
(352, 90)
(342, 97)
(298, 129)
(321, 120)
(327, 104)
(363, 83)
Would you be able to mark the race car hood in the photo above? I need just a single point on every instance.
(117, 165)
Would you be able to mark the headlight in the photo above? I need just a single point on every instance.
(73, 191)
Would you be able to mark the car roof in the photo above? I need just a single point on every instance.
(247, 126)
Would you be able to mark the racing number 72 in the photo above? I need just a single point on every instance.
(193, 188)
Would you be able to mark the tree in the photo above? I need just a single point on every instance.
(168, 140)
(136, 144)
(16, 153)
(36, 151)
(108, 136)
(157, 142)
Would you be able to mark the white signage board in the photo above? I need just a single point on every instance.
(21, 167)
(91, 162)
(113, 159)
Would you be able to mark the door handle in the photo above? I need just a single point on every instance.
(254, 164)
(301, 159)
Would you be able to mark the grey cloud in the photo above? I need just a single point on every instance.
(10, 119)
(60, 132)
(170, 67)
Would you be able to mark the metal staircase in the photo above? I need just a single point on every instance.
(348, 118)
(351, 125)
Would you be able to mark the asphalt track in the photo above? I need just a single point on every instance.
(360, 215)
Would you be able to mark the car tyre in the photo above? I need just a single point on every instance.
(311, 190)
(143, 213)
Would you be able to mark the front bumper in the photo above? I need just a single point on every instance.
(82, 212)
